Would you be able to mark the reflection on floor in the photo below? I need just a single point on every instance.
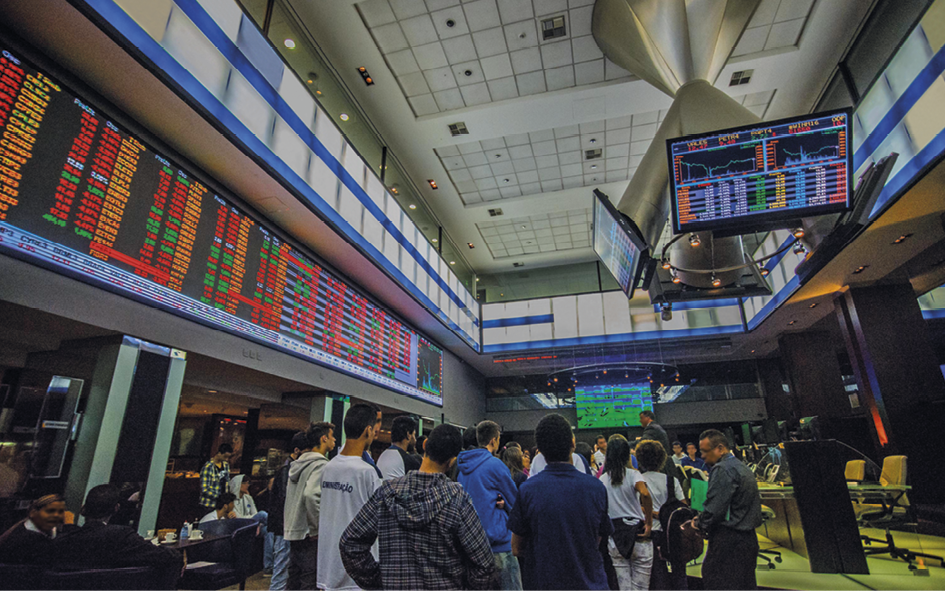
(794, 571)
(885, 573)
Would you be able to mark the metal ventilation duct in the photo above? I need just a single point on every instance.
(680, 47)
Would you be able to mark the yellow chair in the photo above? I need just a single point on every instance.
(893, 474)
(855, 471)
(767, 514)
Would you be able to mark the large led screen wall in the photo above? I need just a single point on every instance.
(81, 195)
(601, 406)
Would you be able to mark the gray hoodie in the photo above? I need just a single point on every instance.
(303, 496)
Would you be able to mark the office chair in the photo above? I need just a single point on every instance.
(889, 516)
(767, 514)
(855, 471)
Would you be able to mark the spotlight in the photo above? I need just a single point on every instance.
(694, 240)
(412, 206)
(343, 116)
(666, 312)
(765, 272)
(798, 232)
(799, 248)
(290, 43)
(432, 184)
(676, 278)
(556, 379)
(716, 282)
(666, 264)
(605, 372)
(626, 374)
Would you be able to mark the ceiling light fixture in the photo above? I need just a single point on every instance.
(676, 278)
(290, 43)
(212, 391)
(343, 117)
(432, 184)
(413, 206)
(765, 272)
(902, 238)
(694, 240)
(798, 232)
(365, 76)
(799, 248)
(452, 262)
(666, 264)
(593, 166)
(812, 306)
(716, 282)
(860, 269)
(470, 245)
(318, 92)
(593, 140)
(792, 323)
(435, 241)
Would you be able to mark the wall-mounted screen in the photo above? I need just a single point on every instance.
(762, 176)
(81, 195)
(617, 245)
(601, 406)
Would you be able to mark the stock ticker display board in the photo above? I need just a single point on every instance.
(753, 177)
(81, 195)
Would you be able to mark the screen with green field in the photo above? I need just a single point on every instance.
(601, 406)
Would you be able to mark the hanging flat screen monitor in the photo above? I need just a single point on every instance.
(616, 243)
(763, 176)
(600, 406)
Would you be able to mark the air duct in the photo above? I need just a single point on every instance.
(678, 46)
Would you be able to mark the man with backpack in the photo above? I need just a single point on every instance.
(731, 513)
(302, 504)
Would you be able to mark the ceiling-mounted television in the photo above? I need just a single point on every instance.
(617, 243)
(762, 176)
(601, 405)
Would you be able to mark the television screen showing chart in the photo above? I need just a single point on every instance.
(762, 176)
(616, 243)
(600, 406)
(82, 196)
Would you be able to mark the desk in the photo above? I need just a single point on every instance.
(183, 545)
(786, 529)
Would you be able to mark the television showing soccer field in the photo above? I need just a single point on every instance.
(600, 406)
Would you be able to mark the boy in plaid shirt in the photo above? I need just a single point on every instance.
(430, 535)
(214, 477)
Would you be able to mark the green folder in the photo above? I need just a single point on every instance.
(698, 490)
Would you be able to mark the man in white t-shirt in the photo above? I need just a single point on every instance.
(601, 454)
(539, 463)
(678, 453)
(347, 484)
(396, 461)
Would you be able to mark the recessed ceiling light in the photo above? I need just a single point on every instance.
(470, 245)
(593, 140)
(452, 262)
(523, 227)
(435, 241)
(318, 92)
(812, 306)
(212, 391)
(290, 43)
(412, 206)
(501, 295)
(792, 323)
(902, 239)
(593, 166)
(432, 184)
(343, 116)
(859, 270)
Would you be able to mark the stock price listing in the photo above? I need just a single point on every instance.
(80, 195)
(783, 170)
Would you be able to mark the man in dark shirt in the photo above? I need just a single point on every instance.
(429, 534)
(559, 518)
(99, 545)
(691, 460)
(731, 513)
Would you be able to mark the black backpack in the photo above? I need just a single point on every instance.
(681, 545)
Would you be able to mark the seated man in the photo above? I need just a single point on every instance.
(430, 535)
(30, 541)
(226, 505)
(99, 545)
(691, 459)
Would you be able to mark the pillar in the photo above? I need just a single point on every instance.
(813, 371)
(900, 383)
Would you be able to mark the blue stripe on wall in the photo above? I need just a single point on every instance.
(901, 107)
(519, 321)
(159, 56)
(701, 304)
(614, 338)
(933, 314)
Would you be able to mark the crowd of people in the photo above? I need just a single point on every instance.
(451, 511)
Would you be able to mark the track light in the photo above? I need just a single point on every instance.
(694, 240)
(676, 276)
(799, 248)
(666, 311)
(666, 264)
(798, 232)
(716, 282)
(765, 272)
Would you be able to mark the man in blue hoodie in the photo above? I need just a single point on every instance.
(489, 482)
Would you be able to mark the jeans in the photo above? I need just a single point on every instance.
(263, 519)
(633, 573)
(303, 564)
(280, 567)
(507, 571)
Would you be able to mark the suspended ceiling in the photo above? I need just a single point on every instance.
(532, 106)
